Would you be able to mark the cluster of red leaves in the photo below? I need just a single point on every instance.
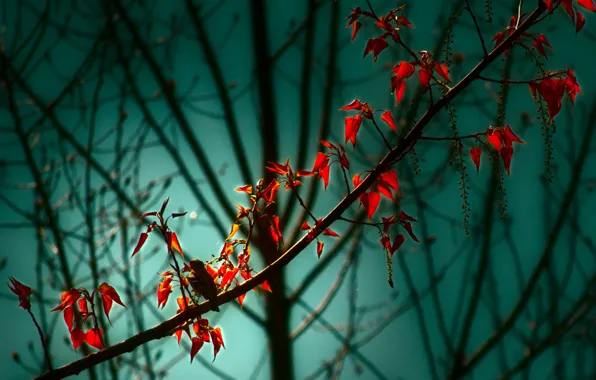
(404, 70)
(576, 17)
(502, 140)
(553, 89)
(21, 291)
(539, 41)
(320, 169)
(312, 231)
(389, 24)
(82, 299)
(162, 226)
(404, 220)
(384, 185)
(203, 332)
(353, 123)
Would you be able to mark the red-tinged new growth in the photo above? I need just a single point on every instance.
(285, 171)
(426, 64)
(353, 123)
(21, 291)
(82, 298)
(397, 243)
(502, 140)
(387, 117)
(576, 17)
(553, 89)
(337, 151)
(162, 226)
(539, 41)
(320, 168)
(164, 289)
(203, 333)
(389, 24)
(108, 296)
(475, 153)
(386, 184)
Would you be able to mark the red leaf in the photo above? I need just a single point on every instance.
(387, 222)
(228, 277)
(241, 299)
(319, 248)
(328, 145)
(354, 16)
(571, 86)
(265, 286)
(233, 230)
(271, 190)
(197, 343)
(403, 21)
(399, 87)
(93, 338)
(182, 304)
(581, 21)
(539, 42)
(244, 189)
(424, 76)
(475, 153)
(180, 331)
(499, 37)
(355, 28)
(494, 137)
(163, 292)
(387, 117)
(588, 4)
(390, 177)
(443, 71)
(108, 294)
(142, 240)
(227, 249)
(509, 137)
(305, 226)
(21, 291)
(68, 298)
(321, 161)
(352, 126)
(212, 272)
(164, 205)
(403, 70)
(275, 230)
(324, 173)
(68, 317)
(278, 169)
(404, 216)
(353, 105)
(152, 213)
(217, 341)
(329, 232)
(383, 188)
(506, 154)
(77, 337)
(370, 201)
(376, 46)
(408, 227)
(82, 302)
(399, 240)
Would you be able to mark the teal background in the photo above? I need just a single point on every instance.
(398, 351)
